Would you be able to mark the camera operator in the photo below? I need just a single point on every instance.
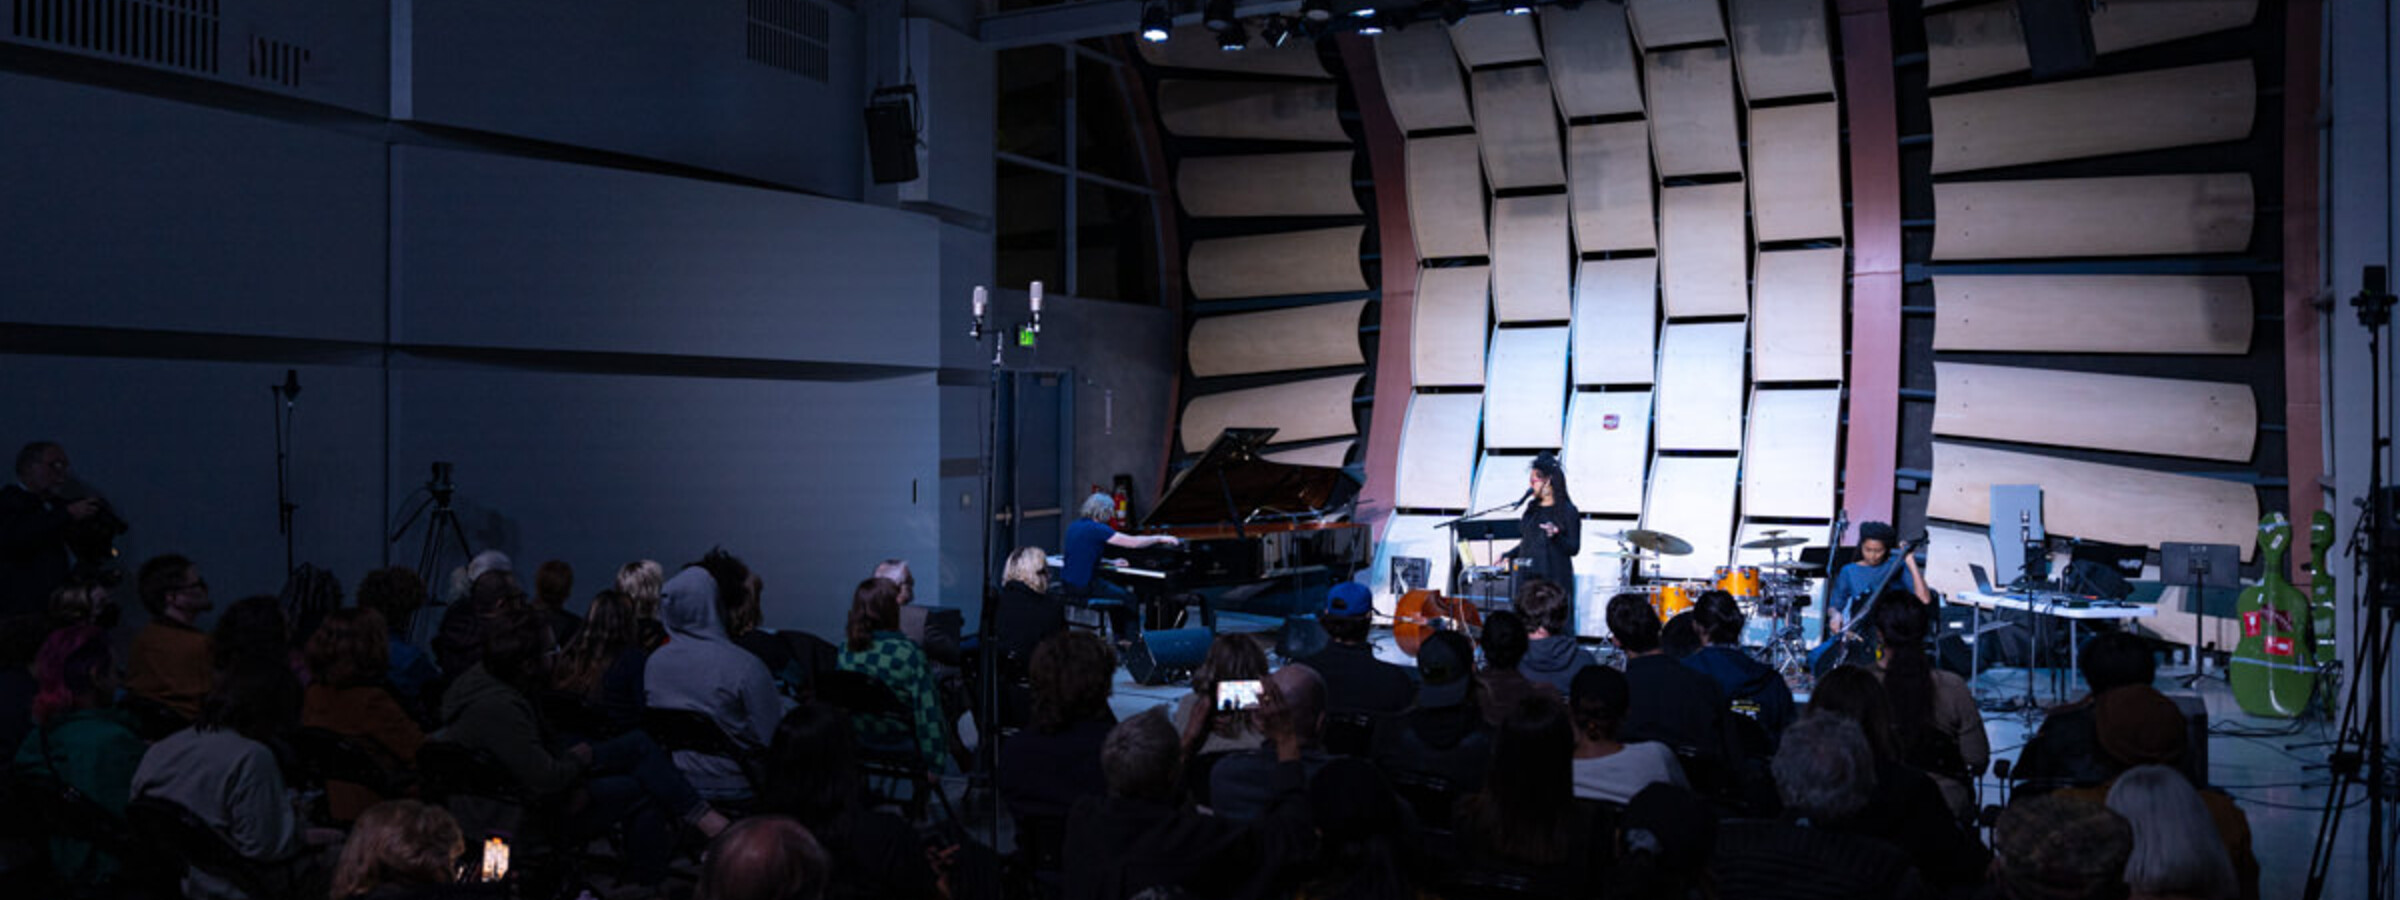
(34, 524)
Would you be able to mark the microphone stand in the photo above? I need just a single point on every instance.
(287, 396)
(1487, 538)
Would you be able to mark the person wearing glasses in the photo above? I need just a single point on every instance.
(171, 659)
(34, 520)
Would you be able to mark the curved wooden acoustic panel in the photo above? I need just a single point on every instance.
(1700, 386)
(1437, 451)
(1321, 261)
(1500, 478)
(1796, 172)
(1331, 456)
(1669, 23)
(1527, 399)
(1789, 457)
(1530, 259)
(1608, 450)
(1815, 535)
(1277, 340)
(2164, 416)
(1453, 315)
(1263, 111)
(2096, 501)
(1609, 185)
(1593, 66)
(1491, 39)
(1691, 112)
(1298, 411)
(1445, 197)
(2093, 116)
(1268, 184)
(1796, 323)
(2206, 314)
(1421, 79)
(2135, 216)
(1984, 40)
(1195, 47)
(1616, 321)
(1701, 255)
(1780, 48)
(1518, 124)
(1948, 553)
(1692, 498)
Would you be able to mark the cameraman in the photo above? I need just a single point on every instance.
(34, 521)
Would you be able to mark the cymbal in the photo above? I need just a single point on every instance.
(1658, 542)
(1793, 566)
(1774, 543)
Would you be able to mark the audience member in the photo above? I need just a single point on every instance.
(79, 602)
(912, 616)
(1907, 809)
(1670, 704)
(1551, 654)
(1244, 786)
(348, 656)
(875, 647)
(606, 663)
(2138, 727)
(397, 593)
(309, 595)
(1525, 821)
(400, 850)
(222, 770)
(1141, 837)
(2059, 848)
(253, 632)
(1606, 769)
(1504, 684)
(743, 623)
(2176, 852)
(1754, 688)
(1681, 637)
(1026, 612)
(813, 776)
(1667, 834)
(79, 740)
(1826, 775)
(1367, 845)
(702, 670)
(1044, 769)
(1355, 681)
(1445, 735)
(763, 858)
(171, 662)
(458, 644)
(21, 639)
(1231, 657)
(643, 580)
(34, 521)
(1934, 714)
(2067, 748)
(553, 583)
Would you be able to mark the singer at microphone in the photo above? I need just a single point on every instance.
(1551, 531)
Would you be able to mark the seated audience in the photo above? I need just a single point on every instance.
(222, 770)
(605, 664)
(253, 632)
(491, 587)
(875, 647)
(309, 595)
(171, 662)
(1231, 657)
(1525, 821)
(2067, 748)
(21, 637)
(1825, 774)
(1245, 786)
(1445, 735)
(1754, 688)
(1045, 768)
(743, 623)
(80, 602)
(1933, 713)
(813, 776)
(763, 858)
(1907, 809)
(397, 593)
(1141, 836)
(2053, 847)
(553, 582)
(1671, 704)
(348, 657)
(1367, 844)
(401, 850)
(937, 636)
(1667, 835)
(1605, 768)
(703, 671)
(1551, 654)
(79, 740)
(643, 580)
(1026, 612)
(2140, 726)
(1504, 686)
(2176, 852)
(1355, 681)
(1681, 637)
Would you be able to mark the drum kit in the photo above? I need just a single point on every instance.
(1772, 592)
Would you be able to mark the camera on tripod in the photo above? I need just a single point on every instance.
(440, 485)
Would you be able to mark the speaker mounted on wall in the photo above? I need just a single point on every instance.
(892, 134)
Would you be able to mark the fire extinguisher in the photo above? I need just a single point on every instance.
(1122, 492)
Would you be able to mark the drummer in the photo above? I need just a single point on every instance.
(1855, 581)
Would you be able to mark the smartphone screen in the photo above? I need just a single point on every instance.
(495, 859)
(1237, 695)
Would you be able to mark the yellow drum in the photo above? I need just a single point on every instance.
(1674, 597)
(1743, 582)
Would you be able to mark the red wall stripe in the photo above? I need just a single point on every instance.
(1872, 447)
(1386, 147)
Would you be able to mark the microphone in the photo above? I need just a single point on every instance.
(1521, 500)
(982, 300)
(1036, 292)
(290, 388)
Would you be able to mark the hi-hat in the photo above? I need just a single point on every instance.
(1658, 542)
(1774, 543)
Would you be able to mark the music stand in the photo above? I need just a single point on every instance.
(1470, 528)
(2202, 566)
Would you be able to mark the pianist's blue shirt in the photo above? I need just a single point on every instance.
(1087, 541)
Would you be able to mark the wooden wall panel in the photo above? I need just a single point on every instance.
(2165, 416)
(1267, 184)
(1445, 197)
(1796, 323)
(1950, 550)
(1780, 48)
(1453, 316)
(1331, 456)
(1702, 257)
(1700, 386)
(2096, 501)
(2208, 314)
(1265, 111)
(1608, 451)
(1691, 111)
(1796, 172)
(1616, 321)
(1299, 411)
(1518, 124)
(1668, 23)
(2124, 26)
(1692, 498)
(1609, 185)
(1594, 69)
(2133, 216)
(1984, 40)
(1277, 340)
(1195, 47)
(1437, 450)
(1790, 454)
(2092, 116)
(1421, 79)
(1500, 479)
(1527, 400)
(1530, 259)
(1490, 39)
(1320, 261)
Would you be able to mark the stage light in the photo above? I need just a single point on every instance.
(1277, 31)
(1218, 15)
(1522, 9)
(1157, 21)
(1364, 12)
(1234, 37)
(1370, 25)
(1316, 10)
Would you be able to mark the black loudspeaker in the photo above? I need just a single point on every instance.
(1162, 656)
(2058, 35)
(892, 134)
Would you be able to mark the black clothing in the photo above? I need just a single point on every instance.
(1547, 556)
(1357, 682)
(1909, 812)
(622, 695)
(776, 653)
(1483, 850)
(1023, 618)
(1771, 860)
(1451, 742)
(1676, 706)
(1743, 678)
(1118, 846)
(2066, 751)
(875, 854)
(1044, 774)
(33, 550)
(563, 625)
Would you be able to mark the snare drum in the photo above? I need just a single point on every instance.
(1674, 597)
(1742, 582)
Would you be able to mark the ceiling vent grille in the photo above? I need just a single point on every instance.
(176, 34)
(792, 35)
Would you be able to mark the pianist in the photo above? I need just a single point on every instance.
(1087, 540)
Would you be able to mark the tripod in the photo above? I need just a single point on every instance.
(442, 529)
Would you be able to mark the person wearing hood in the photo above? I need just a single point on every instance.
(1745, 681)
(701, 669)
(875, 647)
(1551, 656)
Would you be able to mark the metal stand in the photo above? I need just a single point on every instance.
(2205, 566)
(987, 748)
(286, 397)
(441, 531)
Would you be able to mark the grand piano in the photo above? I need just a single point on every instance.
(1251, 525)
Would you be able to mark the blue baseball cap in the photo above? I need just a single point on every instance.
(1349, 599)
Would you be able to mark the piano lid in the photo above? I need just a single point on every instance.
(1260, 490)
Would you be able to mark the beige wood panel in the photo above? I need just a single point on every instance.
(1616, 321)
(1667, 23)
(1518, 124)
(1331, 456)
(1609, 185)
(2126, 25)
(1780, 48)
(1790, 454)
(1691, 111)
(1421, 79)
(1267, 111)
(1410, 535)
(1702, 257)
(1594, 69)
(1453, 315)
(2092, 116)
(1437, 451)
(2165, 416)
(1267, 184)
(1195, 47)
(1319, 261)
(1608, 450)
(1692, 498)
(1494, 38)
(2207, 314)
(1700, 386)
(1984, 40)
(1445, 197)
(1277, 340)
(1531, 265)
(1796, 320)
(2094, 500)
(2132, 216)
(1816, 535)
(1298, 411)
(1949, 551)
(1500, 479)
(1527, 400)
(1796, 172)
